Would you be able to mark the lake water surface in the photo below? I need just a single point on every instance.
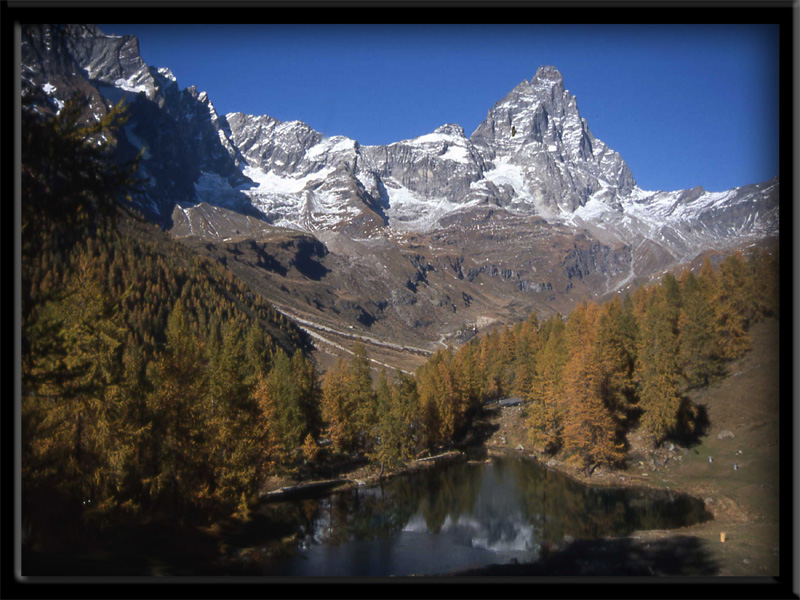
(460, 516)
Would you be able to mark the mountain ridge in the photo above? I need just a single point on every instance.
(294, 176)
(530, 203)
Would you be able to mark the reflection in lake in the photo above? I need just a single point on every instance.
(463, 515)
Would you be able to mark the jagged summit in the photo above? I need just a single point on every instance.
(451, 129)
(549, 74)
(410, 240)
(537, 131)
(533, 154)
(548, 86)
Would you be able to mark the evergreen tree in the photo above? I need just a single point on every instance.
(468, 383)
(544, 411)
(73, 401)
(394, 443)
(435, 389)
(490, 366)
(507, 358)
(615, 356)
(589, 432)
(337, 408)
(447, 398)
(765, 269)
(138, 387)
(700, 355)
(658, 374)
(527, 346)
(257, 352)
(305, 375)
(231, 419)
(406, 402)
(68, 171)
(180, 473)
(733, 305)
(283, 422)
(363, 396)
(348, 403)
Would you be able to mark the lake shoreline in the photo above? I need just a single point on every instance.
(743, 428)
(744, 503)
(743, 412)
(357, 478)
(506, 442)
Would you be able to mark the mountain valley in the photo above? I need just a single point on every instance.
(409, 246)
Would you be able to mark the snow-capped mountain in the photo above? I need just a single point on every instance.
(534, 154)
(542, 148)
(530, 198)
(179, 128)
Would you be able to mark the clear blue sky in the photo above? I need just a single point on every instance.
(684, 105)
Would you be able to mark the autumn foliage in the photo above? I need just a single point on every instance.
(152, 379)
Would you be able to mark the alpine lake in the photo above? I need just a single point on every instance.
(448, 519)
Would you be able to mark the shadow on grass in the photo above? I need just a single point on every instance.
(694, 424)
(676, 555)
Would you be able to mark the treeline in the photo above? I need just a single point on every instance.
(589, 378)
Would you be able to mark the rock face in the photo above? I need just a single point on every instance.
(537, 136)
(184, 148)
(531, 203)
(534, 154)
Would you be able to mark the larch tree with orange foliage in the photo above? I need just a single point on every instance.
(349, 403)
(733, 306)
(544, 395)
(700, 354)
(527, 346)
(589, 433)
(658, 373)
(615, 355)
(278, 396)
(338, 408)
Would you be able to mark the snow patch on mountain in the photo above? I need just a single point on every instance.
(456, 153)
(328, 146)
(506, 172)
(532, 155)
(130, 85)
(272, 183)
(442, 144)
(167, 73)
(411, 212)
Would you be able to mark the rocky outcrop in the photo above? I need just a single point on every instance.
(584, 260)
(531, 204)
(185, 152)
(537, 134)
(533, 154)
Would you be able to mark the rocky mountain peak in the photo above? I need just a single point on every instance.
(547, 75)
(547, 88)
(537, 133)
(533, 154)
(453, 129)
(545, 91)
(84, 30)
(531, 206)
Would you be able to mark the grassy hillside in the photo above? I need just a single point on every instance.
(744, 502)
